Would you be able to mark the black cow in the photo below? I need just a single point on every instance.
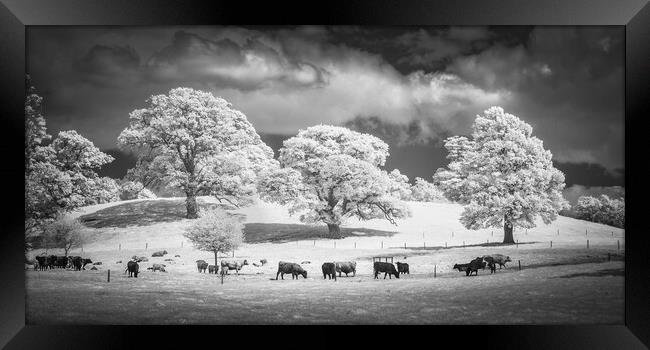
(201, 265)
(43, 262)
(61, 261)
(85, 262)
(160, 253)
(403, 268)
(473, 266)
(461, 267)
(329, 269)
(132, 267)
(386, 268)
(493, 267)
(77, 263)
(290, 268)
(213, 269)
(346, 267)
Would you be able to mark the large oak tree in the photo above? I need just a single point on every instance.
(330, 173)
(194, 141)
(503, 175)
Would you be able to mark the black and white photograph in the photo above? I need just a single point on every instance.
(436, 175)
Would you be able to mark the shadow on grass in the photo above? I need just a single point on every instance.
(282, 233)
(143, 213)
(466, 245)
(599, 273)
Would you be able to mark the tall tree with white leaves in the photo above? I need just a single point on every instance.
(60, 176)
(194, 141)
(502, 175)
(331, 173)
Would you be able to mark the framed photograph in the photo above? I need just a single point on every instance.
(234, 166)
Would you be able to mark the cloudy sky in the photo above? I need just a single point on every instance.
(411, 86)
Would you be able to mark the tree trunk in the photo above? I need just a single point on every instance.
(334, 230)
(192, 207)
(507, 230)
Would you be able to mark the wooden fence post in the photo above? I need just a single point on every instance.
(551, 244)
(585, 232)
(434, 271)
(618, 244)
(587, 244)
(109, 275)
(519, 261)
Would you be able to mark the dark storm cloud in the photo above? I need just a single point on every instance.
(413, 86)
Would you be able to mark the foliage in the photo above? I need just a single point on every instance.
(503, 175)
(424, 191)
(191, 140)
(216, 231)
(65, 233)
(602, 209)
(134, 190)
(60, 176)
(331, 173)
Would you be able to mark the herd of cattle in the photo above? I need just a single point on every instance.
(329, 269)
(61, 262)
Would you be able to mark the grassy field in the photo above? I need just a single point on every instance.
(568, 283)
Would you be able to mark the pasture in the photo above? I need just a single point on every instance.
(568, 283)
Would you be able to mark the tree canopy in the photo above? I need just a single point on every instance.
(331, 173)
(194, 141)
(503, 175)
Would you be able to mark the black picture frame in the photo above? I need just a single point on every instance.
(634, 15)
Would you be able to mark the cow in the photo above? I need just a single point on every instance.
(77, 263)
(497, 259)
(329, 270)
(233, 265)
(461, 267)
(132, 267)
(473, 266)
(213, 269)
(403, 268)
(493, 267)
(263, 261)
(43, 262)
(85, 262)
(158, 267)
(61, 261)
(201, 265)
(386, 268)
(292, 268)
(346, 267)
(160, 253)
(52, 261)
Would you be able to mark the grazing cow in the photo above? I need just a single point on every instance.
(212, 269)
(158, 267)
(233, 265)
(132, 267)
(292, 268)
(473, 266)
(498, 259)
(346, 267)
(403, 268)
(461, 267)
(201, 265)
(329, 269)
(61, 261)
(386, 268)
